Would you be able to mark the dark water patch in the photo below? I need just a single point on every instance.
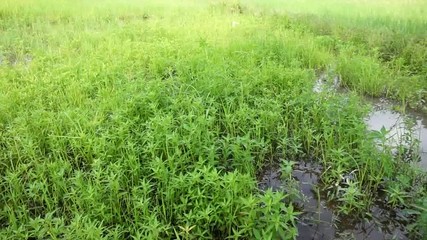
(407, 128)
(319, 219)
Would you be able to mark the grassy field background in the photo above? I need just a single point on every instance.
(127, 119)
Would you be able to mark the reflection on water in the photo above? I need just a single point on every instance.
(319, 219)
(397, 125)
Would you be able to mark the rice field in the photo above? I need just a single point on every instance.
(127, 119)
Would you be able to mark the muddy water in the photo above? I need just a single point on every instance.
(319, 219)
(400, 125)
(403, 129)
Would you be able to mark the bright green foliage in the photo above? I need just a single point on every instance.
(129, 120)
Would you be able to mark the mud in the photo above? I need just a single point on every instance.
(319, 219)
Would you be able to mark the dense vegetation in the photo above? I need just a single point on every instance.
(129, 120)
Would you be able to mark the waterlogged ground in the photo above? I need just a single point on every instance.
(320, 218)
(402, 128)
(201, 120)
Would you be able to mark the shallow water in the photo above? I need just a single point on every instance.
(383, 115)
(319, 219)
(323, 84)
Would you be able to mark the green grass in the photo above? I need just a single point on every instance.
(121, 119)
(385, 42)
(406, 16)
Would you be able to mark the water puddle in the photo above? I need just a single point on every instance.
(409, 129)
(326, 84)
(319, 219)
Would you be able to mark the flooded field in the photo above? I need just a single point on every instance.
(403, 129)
(407, 129)
(130, 119)
(320, 219)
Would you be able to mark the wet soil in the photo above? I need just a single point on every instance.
(320, 219)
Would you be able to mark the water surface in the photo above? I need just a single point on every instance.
(400, 125)
(319, 219)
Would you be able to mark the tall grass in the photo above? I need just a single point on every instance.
(388, 33)
(122, 119)
(406, 16)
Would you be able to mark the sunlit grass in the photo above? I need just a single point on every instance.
(146, 120)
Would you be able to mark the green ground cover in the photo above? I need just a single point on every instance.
(130, 120)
